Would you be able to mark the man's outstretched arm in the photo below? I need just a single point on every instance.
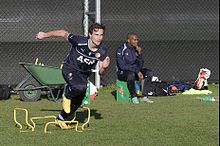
(55, 33)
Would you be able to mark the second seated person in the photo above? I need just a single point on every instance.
(130, 68)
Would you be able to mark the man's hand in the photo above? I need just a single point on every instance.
(138, 50)
(106, 62)
(40, 35)
(104, 65)
(140, 76)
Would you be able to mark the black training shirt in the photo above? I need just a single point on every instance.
(80, 57)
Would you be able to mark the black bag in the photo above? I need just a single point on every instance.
(159, 89)
(4, 92)
(176, 87)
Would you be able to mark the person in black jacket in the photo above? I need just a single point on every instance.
(130, 68)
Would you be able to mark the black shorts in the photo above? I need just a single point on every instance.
(76, 82)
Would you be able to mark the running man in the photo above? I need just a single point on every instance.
(77, 67)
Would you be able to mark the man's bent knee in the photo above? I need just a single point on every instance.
(131, 76)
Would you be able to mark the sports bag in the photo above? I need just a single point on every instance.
(159, 89)
(4, 92)
(176, 87)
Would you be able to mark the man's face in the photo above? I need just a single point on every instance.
(133, 40)
(97, 36)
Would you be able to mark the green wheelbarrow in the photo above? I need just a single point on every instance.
(43, 79)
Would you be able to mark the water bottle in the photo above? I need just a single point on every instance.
(137, 89)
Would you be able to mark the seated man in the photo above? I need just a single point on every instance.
(130, 68)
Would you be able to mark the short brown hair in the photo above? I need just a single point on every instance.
(95, 26)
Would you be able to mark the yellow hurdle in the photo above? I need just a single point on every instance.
(60, 122)
(26, 118)
(88, 118)
(44, 117)
(33, 125)
(71, 122)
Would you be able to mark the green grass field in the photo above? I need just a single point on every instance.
(171, 121)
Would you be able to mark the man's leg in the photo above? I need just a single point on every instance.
(74, 95)
(129, 77)
(72, 100)
(148, 74)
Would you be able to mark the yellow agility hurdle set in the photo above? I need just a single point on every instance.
(45, 78)
(30, 124)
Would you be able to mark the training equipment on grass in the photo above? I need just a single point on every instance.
(71, 124)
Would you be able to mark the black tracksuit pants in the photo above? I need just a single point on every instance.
(75, 91)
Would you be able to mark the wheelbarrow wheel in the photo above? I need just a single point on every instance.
(30, 95)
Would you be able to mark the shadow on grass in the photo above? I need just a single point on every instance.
(81, 115)
(50, 110)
